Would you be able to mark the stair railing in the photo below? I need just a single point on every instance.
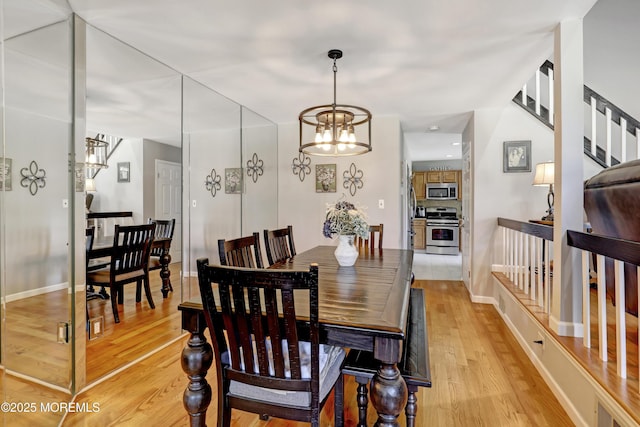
(618, 129)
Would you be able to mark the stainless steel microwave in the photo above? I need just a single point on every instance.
(442, 191)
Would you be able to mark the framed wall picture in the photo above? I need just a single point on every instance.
(233, 180)
(5, 173)
(124, 172)
(516, 156)
(326, 178)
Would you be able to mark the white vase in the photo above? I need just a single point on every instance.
(346, 253)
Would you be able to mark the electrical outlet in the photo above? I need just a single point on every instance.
(193, 203)
(63, 332)
(96, 327)
(381, 204)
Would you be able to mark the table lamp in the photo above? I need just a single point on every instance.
(544, 176)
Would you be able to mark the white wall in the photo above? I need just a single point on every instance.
(304, 209)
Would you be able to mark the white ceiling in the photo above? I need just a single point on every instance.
(428, 62)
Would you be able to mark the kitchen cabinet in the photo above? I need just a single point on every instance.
(420, 236)
(419, 186)
(442, 176)
(459, 181)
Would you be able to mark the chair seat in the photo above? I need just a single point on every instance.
(331, 359)
(103, 276)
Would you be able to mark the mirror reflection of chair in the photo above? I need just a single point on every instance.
(164, 230)
(369, 244)
(241, 252)
(129, 263)
(262, 364)
(279, 244)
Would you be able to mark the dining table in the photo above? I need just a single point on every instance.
(361, 307)
(99, 257)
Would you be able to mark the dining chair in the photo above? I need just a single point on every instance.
(268, 362)
(164, 230)
(370, 242)
(279, 244)
(129, 263)
(241, 252)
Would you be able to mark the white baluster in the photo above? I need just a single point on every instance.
(594, 115)
(547, 277)
(621, 327)
(602, 309)
(524, 94)
(538, 92)
(623, 139)
(551, 105)
(586, 300)
(525, 265)
(607, 112)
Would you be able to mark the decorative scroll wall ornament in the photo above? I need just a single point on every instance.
(352, 179)
(254, 167)
(301, 166)
(33, 177)
(212, 183)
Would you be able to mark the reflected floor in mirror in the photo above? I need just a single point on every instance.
(141, 328)
(437, 267)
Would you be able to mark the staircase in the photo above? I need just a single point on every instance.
(614, 135)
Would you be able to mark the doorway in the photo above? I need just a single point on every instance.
(168, 191)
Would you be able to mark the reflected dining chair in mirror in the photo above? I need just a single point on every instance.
(266, 361)
(129, 263)
(164, 230)
(241, 252)
(279, 244)
(370, 243)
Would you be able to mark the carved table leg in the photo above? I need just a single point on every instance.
(388, 393)
(165, 274)
(197, 357)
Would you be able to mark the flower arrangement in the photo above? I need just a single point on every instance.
(343, 218)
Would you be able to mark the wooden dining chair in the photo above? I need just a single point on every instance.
(370, 243)
(279, 244)
(266, 361)
(241, 252)
(129, 263)
(164, 230)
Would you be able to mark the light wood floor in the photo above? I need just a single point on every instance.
(481, 377)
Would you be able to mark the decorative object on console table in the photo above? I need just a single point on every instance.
(346, 221)
(516, 156)
(544, 176)
(124, 172)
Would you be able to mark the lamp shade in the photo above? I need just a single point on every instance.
(90, 184)
(544, 174)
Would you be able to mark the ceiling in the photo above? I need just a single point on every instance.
(429, 62)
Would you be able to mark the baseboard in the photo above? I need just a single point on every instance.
(34, 292)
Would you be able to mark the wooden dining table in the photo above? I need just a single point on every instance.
(360, 307)
(99, 257)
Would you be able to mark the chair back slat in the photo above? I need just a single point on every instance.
(251, 315)
(241, 252)
(164, 229)
(279, 244)
(369, 244)
(131, 248)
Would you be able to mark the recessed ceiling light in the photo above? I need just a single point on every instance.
(434, 128)
(455, 143)
(449, 155)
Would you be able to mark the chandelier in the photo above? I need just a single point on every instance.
(95, 153)
(329, 130)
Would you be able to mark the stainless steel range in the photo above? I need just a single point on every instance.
(443, 231)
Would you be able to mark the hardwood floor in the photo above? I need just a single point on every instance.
(481, 377)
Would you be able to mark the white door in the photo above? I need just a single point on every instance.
(168, 201)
